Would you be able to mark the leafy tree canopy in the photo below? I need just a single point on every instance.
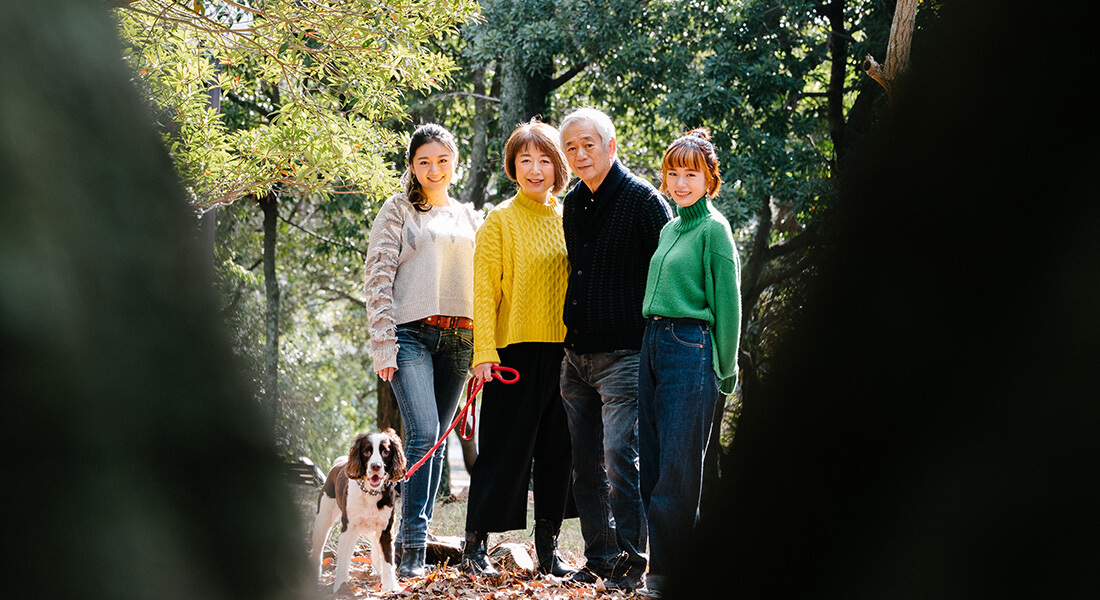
(315, 82)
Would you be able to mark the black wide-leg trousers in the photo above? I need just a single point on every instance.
(520, 425)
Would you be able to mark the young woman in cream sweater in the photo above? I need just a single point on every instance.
(420, 263)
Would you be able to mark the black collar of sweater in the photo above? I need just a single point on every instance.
(610, 184)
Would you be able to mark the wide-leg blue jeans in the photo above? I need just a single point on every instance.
(600, 392)
(432, 365)
(677, 397)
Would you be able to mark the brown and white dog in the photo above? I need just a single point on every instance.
(360, 492)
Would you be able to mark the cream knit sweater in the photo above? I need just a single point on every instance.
(520, 275)
(418, 264)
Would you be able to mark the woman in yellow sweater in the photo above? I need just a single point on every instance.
(520, 276)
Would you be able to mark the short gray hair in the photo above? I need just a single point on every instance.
(600, 121)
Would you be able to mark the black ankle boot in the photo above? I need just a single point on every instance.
(412, 562)
(546, 547)
(475, 555)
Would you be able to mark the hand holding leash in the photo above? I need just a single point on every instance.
(468, 414)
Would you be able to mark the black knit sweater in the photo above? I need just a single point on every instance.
(610, 237)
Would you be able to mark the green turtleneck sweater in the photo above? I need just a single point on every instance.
(695, 274)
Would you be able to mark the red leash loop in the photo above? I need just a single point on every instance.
(468, 414)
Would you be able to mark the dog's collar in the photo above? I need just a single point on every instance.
(372, 491)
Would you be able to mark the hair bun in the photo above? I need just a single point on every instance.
(700, 132)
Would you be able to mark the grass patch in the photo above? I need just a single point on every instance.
(450, 520)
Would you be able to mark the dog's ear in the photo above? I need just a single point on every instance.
(397, 456)
(355, 469)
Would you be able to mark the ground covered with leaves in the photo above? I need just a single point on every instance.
(447, 582)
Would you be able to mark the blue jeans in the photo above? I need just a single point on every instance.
(677, 396)
(432, 364)
(600, 395)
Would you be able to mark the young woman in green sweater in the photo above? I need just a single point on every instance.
(689, 351)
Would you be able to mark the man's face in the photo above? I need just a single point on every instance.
(588, 157)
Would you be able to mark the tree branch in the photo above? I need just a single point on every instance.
(323, 238)
(346, 296)
(804, 240)
(560, 80)
(875, 71)
(780, 276)
(439, 97)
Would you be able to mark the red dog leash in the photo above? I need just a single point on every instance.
(468, 414)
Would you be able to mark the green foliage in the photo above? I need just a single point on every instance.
(326, 392)
(313, 84)
(310, 94)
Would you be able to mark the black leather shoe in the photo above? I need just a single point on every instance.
(584, 575)
(546, 547)
(412, 562)
(627, 582)
(475, 555)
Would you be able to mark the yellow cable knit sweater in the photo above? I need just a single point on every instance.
(520, 274)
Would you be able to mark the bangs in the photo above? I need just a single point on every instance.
(685, 156)
(541, 137)
(536, 140)
(694, 154)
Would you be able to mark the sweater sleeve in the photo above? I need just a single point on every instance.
(488, 274)
(383, 251)
(656, 214)
(723, 295)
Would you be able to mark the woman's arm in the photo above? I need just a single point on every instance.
(723, 294)
(381, 269)
(488, 274)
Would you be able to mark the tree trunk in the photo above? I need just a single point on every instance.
(901, 38)
(524, 93)
(444, 488)
(897, 53)
(469, 453)
(270, 206)
(751, 276)
(480, 165)
(838, 52)
(753, 272)
(388, 413)
(208, 226)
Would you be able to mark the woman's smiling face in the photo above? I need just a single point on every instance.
(685, 186)
(433, 165)
(534, 172)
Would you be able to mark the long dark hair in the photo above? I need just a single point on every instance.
(429, 132)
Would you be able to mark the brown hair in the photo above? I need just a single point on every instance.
(424, 134)
(544, 138)
(693, 150)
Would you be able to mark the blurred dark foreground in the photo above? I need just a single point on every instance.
(932, 428)
(136, 465)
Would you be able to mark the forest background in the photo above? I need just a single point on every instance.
(287, 123)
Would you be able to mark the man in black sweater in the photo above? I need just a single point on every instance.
(612, 222)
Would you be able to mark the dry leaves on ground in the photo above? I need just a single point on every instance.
(449, 583)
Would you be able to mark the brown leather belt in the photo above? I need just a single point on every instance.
(449, 322)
